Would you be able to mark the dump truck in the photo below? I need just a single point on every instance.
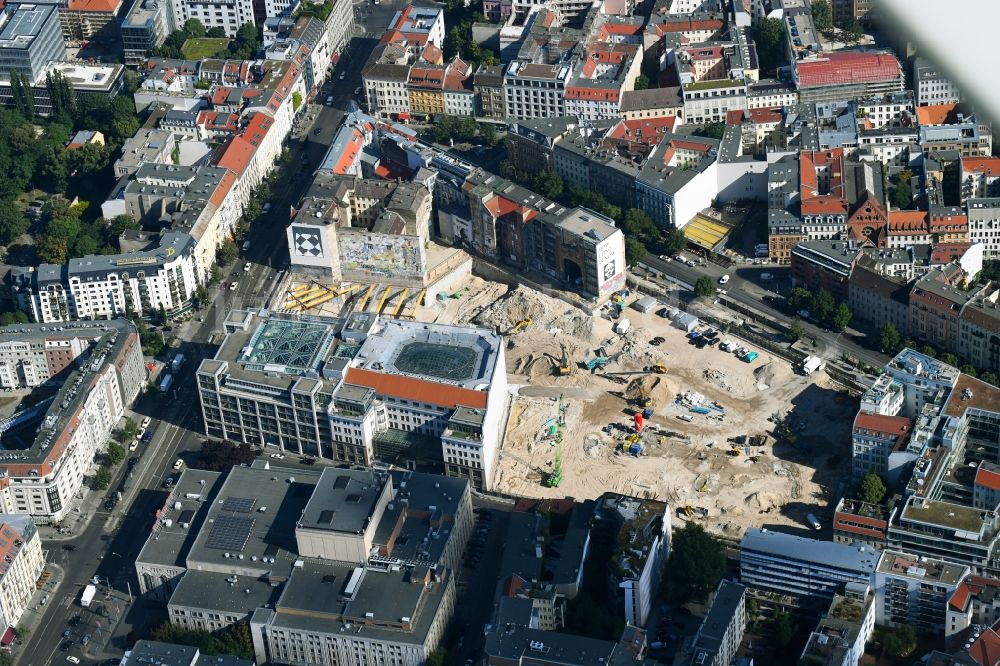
(88, 596)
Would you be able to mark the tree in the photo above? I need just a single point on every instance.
(800, 299)
(548, 184)
(990, 378)
(296, 100)
(102, 479)
(927, 350)
(221, 456)
(712, 130)
(119, 224)
(51, 249)
(704, 286)
(12, 317)
(697, 562)
(194, 28)
(890, 340)
(488, 134)
(969, 370)
(769, 37)
(841, 317)
(871, 488)
(853, 32)
(795, 330)
(507, 169)
(227, 253)
(674, 240)
(641, 82)
(638, 223)
(201, 295)
(823, 306)
(782, 629)
(233, 640)
(437, 657)
(899, 642)
(216, 32)
(901, 194)
(12, 222)
(635, 251)
(116, 454)
(949, 358)
(130, 429)
(822, 16)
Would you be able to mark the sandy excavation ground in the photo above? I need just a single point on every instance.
(685, 463)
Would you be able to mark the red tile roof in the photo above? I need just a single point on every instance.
(237, 155)
(985, 651)
(936, 114)
(989, 166)
(846, 67)
(945, 253)
(418, 390)
(971, 586)
(222, 189)
(987, 479)
(105, 6)
(648, 131)
(880, 425)
(908, 221)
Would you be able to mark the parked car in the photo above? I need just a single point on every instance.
(73, 660)
(86, 639)
(724, 279)
(766, 276)
(134, 445)
(145, 423)
(232, 287)
(178, 464)
(246, 267)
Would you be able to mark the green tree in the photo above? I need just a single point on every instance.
(11, 317)
(890, 340)
(969, 370)
(899, 642)
(102, 479)
(769, 37)
(871, 488)
(51, 249)
(216, 32)
(86, 161)
(822, 16)
(800, 299)
(12, 222)
(201, 295)
(795, 330)
(638, 223)
(901, 195)
(782, 629)
(129, 429)
(227, 253)
(641, 82)
(697, 562)
(853, 32)
(949, 358)
(53, 169)
(116, 454)
(823, 306)
(841, 317)
(674, 240)
(119, 224)
(712, 130)
(488, 134)
(131, 81)
(507, 169)
(194, 28)
(635, 251)
(548, 184)
(990, 377)
(927, 350)
(704, 286)
(296, 100)
(437, 657)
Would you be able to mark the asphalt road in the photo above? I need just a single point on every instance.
(746, 286)
(108, 547)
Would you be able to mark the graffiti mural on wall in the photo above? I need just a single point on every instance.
(369, 255)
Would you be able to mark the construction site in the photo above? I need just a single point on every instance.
(623, 401)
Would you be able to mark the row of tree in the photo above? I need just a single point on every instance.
(233, 640)
(465, 129)
(822, 307)
(242, 46)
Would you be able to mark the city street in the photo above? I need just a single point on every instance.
(746, 286)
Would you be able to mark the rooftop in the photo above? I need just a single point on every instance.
(344, 500)
(847, 67)
(924, 568)
(155, 653)
(856, 558)
(168, 545)
(972, 393)
(222, 592)
(728, 598)
(944, 514)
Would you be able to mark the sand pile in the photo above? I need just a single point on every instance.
(546, 313)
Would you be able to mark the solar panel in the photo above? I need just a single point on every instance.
(230, 533)
(239, 504)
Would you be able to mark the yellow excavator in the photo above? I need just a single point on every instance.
(564, 368)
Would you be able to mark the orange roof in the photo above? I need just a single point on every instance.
(225, 185)
(237, 155)
(970, 586)
(902, 221)
(889, 426)
(106, 6)
(989, 166)
(682, 144)
(418, 390)
(987, 479)
(822, 205)
(935, 114)
(985, 651)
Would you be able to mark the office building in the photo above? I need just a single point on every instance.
(30, 38)
(975, 601)
(358, 389)
(914, 591)
(932, 86)
(855, 521)
(146, 653)
(721, 631)
(305, 554)
(20, 569)
(143, 29)
(50, 448)
(801, 567)
(873, 438)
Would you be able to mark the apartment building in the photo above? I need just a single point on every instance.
(844, 630)
(824, 264)
(802, 567)
(846, 10)
(678, 180)
(980, 177)
(979, 331)
(147, 145)
(845, 74)
(855, 521)
(944, 127)
(343, 397)
(30, 38)
(873, 438)
(171, 654)
(85, 19)
(600, 78)
(226, 14)
(487, 85)
(535, 90)
(385, 77)
(932, 86)
(33, 358)
(914, 591)
(925, 380)
(350, 548)
(975, 601)
(770, 94)
(67, 432)
(721, 631)
(984, 225)
(20, 568)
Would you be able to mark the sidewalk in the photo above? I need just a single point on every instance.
(35, 608)
(88, 503)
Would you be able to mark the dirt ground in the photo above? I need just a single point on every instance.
(685, 463)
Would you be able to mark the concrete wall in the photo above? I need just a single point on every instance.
(366, 256)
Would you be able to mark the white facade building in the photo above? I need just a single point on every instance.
(22, 564)
(984, 225)
(226, 14)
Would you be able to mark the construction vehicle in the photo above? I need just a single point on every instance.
(519, 326)
(658, 369)
(734, 452)
(555, 478)
(564, 368)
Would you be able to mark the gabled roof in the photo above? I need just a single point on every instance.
(936, 114)
(847, 67)
(989, 166)
(988, 478)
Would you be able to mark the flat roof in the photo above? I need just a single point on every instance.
(944, 514)
(924, 568)
(222, 592)
(728, 597)
(344, 500)
(169, 545)
(854, 557)
(20, 23)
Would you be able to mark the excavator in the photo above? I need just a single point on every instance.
(564, 368)
(519, 326)
(658, 369)
(640, 391)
